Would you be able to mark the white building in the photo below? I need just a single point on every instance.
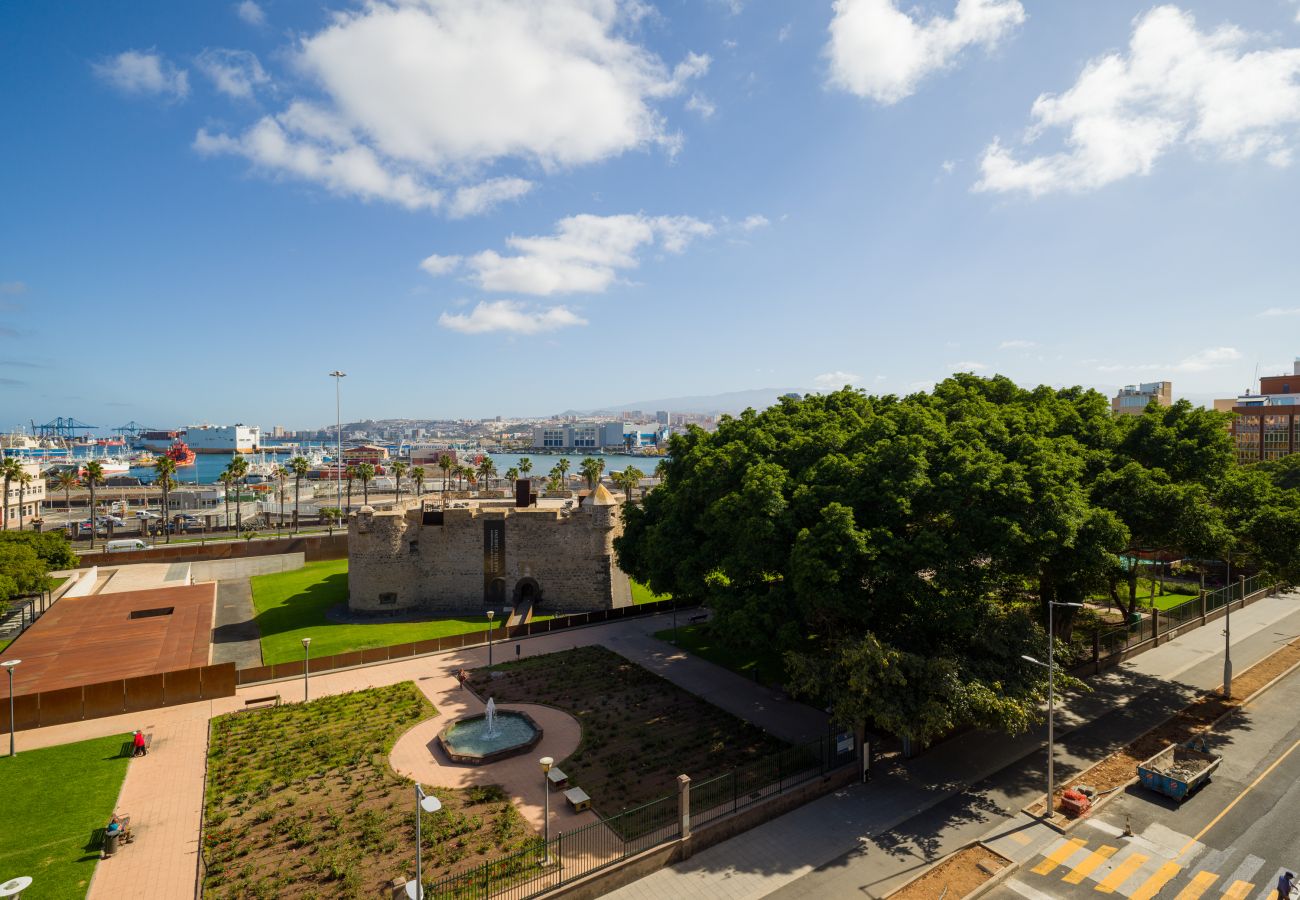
(18, 515)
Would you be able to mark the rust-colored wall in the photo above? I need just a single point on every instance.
(218, 680)
(182, 686)
(58, 707)
(105, 699)
(145, 692)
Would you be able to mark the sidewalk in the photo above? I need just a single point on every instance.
(868, 839)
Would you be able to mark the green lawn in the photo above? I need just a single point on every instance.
(292, 605)
(766, 667)
(642, 594)
(56, 804)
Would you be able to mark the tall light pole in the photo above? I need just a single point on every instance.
(338, 432)
(11, 664)
(1227, 636)
(1050, 665)
(546, 762)
(306, 666)
(490, 614)
(430, 804)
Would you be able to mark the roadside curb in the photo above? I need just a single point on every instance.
(986, 886)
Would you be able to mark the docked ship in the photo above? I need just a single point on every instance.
(180, 453)
(207, 439)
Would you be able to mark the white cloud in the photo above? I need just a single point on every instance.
(1017, 345)
(1279, 311)
(144, 72)
(967, 366)
(1201, 361)
(1177, 85)
(754, 222)
(510, 315)
(698, 103)
(250, 12)
(479, 198)
(438, 91)
(948, 166)
(835, 380)
(584, 255)
(880, 52)
(233, 72)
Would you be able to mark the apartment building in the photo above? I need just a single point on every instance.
(1266, 426)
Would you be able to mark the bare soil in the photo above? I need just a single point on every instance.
(1120, 767)
(959, 873)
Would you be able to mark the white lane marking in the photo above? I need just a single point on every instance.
(1106, 827)
(1026, 891)
(1246, 871)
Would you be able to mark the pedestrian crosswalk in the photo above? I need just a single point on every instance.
(1139, 868)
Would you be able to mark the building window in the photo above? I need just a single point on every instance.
(388, 599)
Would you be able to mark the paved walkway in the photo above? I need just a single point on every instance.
(236, 638)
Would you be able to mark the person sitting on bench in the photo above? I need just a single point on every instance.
(138, 744)
(120, 825)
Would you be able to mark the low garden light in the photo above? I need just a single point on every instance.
(306, 666)
(10, 665)
(546, 762)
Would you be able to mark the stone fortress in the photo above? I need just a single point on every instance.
(487, 554)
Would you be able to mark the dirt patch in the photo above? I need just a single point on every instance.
(1120, 767)
(959, 874)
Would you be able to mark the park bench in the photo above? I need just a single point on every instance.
(695, 620)
(272, 700)
(556, 777)
(578, 799)
(128, 748)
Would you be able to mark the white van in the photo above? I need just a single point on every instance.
(125, 546)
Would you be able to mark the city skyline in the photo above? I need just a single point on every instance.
(476, 209)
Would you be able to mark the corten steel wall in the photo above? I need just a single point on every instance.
(279, 671)
(314, 549)
(122, 695)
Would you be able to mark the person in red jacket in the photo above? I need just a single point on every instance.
(139, 745)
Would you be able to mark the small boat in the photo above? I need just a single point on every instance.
(180, 453)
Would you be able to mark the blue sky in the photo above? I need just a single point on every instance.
(482, 207)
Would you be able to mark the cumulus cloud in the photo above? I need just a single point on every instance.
(879, 52)
(698, 103)
(479, 198)
(511, 316)
(1201, 361)
(143, 72)
(233, 72)
(754, 222)
(583, 255)
(1017, 345)
(835, 380)
(1176, 86)
(967, 366)
(250, 12)
(1274, 311)
(434, 92)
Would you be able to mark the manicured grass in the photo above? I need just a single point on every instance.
(639, 731)
(642, 594)
(765, 667)
(301, 802)
(293, 605)
(56, 803)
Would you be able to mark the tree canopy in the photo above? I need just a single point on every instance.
(901, 551)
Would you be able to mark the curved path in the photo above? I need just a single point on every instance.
(417, 755)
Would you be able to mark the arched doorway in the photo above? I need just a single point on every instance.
(496, 594)
(527, 590)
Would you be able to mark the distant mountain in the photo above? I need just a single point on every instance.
(732, 402)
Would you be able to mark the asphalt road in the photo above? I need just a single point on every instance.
(1230, 839)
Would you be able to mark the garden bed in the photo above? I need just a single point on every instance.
(301, 802)
(956, 877)
(639, 731)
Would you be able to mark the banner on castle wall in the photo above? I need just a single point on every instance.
(494, 561)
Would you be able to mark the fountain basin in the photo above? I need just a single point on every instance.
(467, 741)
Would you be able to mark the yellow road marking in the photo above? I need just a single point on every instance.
(1215, 821)
(1122, 873)
(1059, 855)
(1200, 884)
(1091, 862)
(1152, 885)
(1238, 891)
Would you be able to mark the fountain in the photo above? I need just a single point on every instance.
(491, 736)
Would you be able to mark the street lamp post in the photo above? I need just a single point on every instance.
(490, 614)
(338, 433)
(430, 804)
(11, 664)
(306, 666)
(1050, 665)
(546, 762)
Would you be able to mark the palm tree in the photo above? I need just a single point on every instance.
(592, 468)
(553, 483)
(563, 466)
(525, 466)
(486, 469)
(65, 481)
(445, 463)
(11, 468)
(239, 473)
(299, 466)
(661, 470)
(399, 469)
(365, 472)
(165, 466)
(513, 474)
(417, 476)
(350, 473)
(93, 475)
(281, 476)
(226, 480)
(24, 480)
(628, 479)
(330, 514)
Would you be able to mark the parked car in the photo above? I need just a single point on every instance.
(112, 520)
(146, 514)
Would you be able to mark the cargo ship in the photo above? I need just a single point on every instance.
(207, 439)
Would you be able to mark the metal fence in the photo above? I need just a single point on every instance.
(735, 790)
